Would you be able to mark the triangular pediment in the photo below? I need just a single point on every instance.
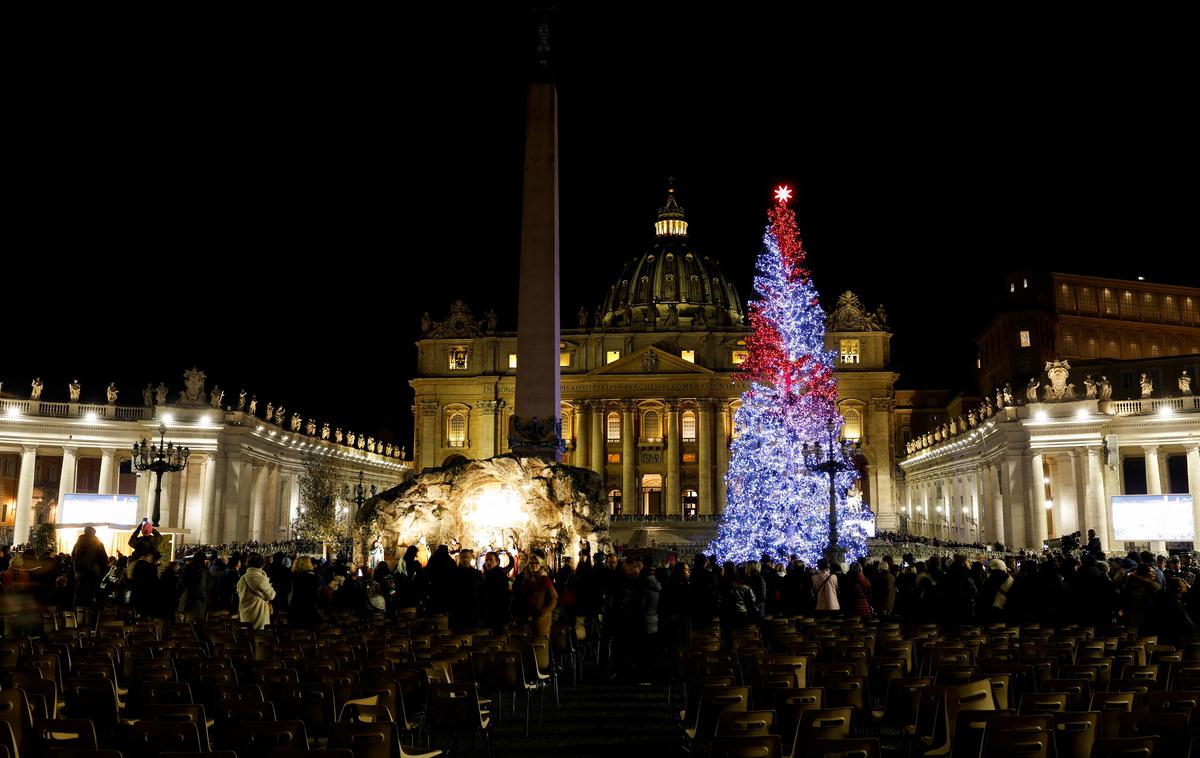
(651, 360)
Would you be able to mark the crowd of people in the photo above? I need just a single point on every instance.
(635, 604)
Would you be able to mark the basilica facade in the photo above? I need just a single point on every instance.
(649, 384)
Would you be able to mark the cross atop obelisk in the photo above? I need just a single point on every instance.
(536, 427)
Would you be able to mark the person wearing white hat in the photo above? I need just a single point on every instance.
(994, 593)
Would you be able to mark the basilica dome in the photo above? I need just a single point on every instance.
(671, 287)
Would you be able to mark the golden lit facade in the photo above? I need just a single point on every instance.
(648, 384)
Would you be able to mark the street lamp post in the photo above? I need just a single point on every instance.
(836, 457)
(160, 458)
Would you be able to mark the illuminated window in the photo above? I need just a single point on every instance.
(852, 428)
(849, 351)
(1093, 348)
(1025, 283)
(1068, 344)
(1108, 302)
(1155, 350)
(1128, 305)
(1012, 286)
(1149, 307)
(1066, 298)
(1087, 300)
(458, 359)
(978, 362)
(1135, 350)
(1170, 308)
(1189, 311)
(651, 426)
(613, 356)
(740, 356)
(614, 457)
(689, 457)
(614, 502)
(688, 426)
(688, 355)
(614, 427)
(1024, 338)
(566, 425)
(564, 360)
(1112, 349)
(512, 360)
(456, 430)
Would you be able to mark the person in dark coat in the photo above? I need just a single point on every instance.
(439, 580)
(1173, 623)
(143, 585)
(280, 577)
(167, 592)
(467, 593)
(91, 564)
(497, 595)
(197, 583)
(302, 610)
(703, 594)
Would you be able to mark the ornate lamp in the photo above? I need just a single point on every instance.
(836, 457)
(165, 456)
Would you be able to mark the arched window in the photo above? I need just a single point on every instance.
(852, 428)
(651, 426)
(456, 430)
(695, 293)
(643, 293)
(688, 426)
(566, 425)
(614, 427)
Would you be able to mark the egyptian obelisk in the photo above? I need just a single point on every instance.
(536, 427)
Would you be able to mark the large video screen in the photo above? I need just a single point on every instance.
(1139, 518)
(84, 508)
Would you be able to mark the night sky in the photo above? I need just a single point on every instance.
(278, 204)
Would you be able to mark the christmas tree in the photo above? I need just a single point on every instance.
(775, 505)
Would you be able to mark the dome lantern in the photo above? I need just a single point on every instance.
(670, 221)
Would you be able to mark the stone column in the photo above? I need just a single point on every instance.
(579, 427)
(23, 518)
(1037, 500)
(1153, 471)
(1096, 508)
(237, 473)
(171, 515)
(487, 427)
(429, 435)
(107, 455)
(629, 499)
(598, 439)
(673, 452)
(145, 493)
(1154, 487)
(208, 499)
(996, 496)
(1066, 496)
(724, 435)
(272, 505)
(1015, 497)
(66, 478)
(704, 459)
(258, 501)
(1193, 473)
